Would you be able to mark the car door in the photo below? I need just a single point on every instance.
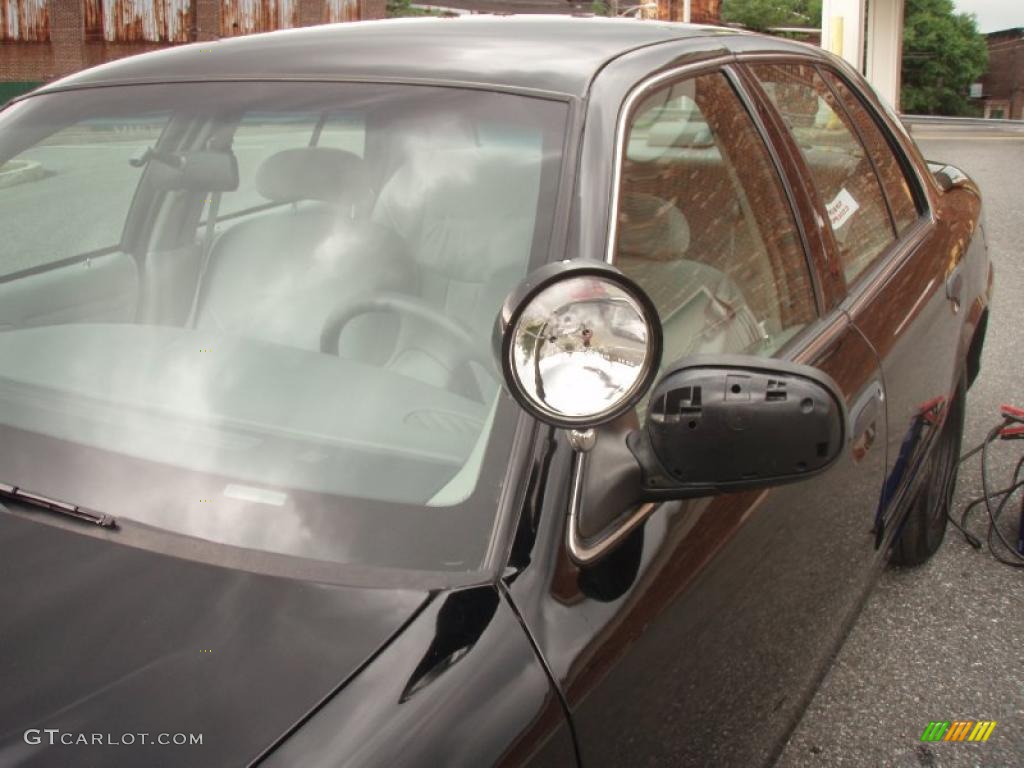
(695, 637)
(900, 264)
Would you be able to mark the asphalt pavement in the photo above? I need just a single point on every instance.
(945, 641)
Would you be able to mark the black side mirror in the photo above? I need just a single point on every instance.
(579, 345)
(723, 423)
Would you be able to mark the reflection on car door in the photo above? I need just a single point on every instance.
(898, 263)
(696, 641)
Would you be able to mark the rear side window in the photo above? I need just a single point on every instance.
(894, 181)
(843, 174)
(704, 226)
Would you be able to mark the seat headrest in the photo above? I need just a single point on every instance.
(651, 227)
(463, 210)
(313, 173)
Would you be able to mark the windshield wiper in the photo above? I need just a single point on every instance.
(14, 493)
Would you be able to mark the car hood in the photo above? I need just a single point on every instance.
(101, 638)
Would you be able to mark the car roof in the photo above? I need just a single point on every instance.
(549, 53)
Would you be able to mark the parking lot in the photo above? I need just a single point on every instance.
(945, 641)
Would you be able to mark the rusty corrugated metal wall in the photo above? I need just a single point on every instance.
(243, 17)
(25, 21)
(124, 21)
(341, 10)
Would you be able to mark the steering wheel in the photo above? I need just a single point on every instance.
(453, 347)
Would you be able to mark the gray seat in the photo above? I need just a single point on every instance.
(702, 310)
(313, 254)
(466, 216)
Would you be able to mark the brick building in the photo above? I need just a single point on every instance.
(44, 39)
(1002, 87)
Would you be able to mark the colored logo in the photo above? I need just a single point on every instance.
(958, 730)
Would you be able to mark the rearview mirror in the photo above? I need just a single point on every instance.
(202, 170)
(725, 423)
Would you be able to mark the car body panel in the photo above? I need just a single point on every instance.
(943, 249)
(473, 50)
(462, 686)
(103, 638)
(715, 607)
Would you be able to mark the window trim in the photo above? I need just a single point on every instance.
(880, 116)
(750, 104)
(626, 110)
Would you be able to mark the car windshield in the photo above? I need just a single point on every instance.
(259, 313)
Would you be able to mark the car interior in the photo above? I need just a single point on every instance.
(299, 297)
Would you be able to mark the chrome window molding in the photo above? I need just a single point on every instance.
(581, 551)
(640, 90)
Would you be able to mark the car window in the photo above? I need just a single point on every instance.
(843, 175)
(894, 181)
(68, 194)
(703, 224)
(313, 378)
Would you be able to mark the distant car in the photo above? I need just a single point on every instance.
(269, 497)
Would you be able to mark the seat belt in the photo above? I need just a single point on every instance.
(204, 262)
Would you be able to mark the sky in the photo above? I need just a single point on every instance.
(994, 14)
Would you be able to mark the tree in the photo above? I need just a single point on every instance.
(943, 53)
(760, 15)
